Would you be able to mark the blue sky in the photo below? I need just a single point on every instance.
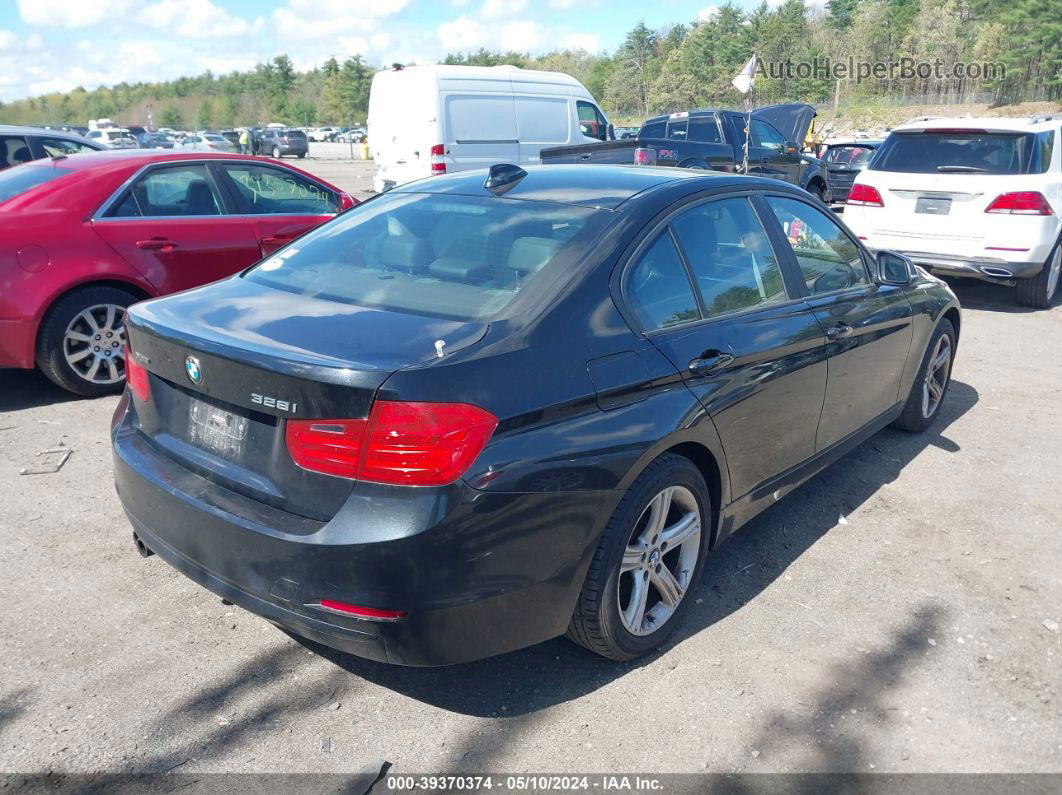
(54, 45)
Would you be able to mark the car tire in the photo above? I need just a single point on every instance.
(1037, 291)
(67, 349)
(276, 153)
(301, 155)
(816, 190)
(925, 398)
(610, 604)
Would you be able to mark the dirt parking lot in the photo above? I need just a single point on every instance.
(899, 613)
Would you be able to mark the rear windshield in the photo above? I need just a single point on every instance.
(959, 152)
(456, 257)
(854, 155)
(294, 133)
(14, 181)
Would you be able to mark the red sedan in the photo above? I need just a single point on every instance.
(83, 237)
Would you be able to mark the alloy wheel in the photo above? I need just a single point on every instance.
(94, 344)
(659, 560)
(936, 379)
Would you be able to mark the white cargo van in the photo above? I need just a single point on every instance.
(426, 120)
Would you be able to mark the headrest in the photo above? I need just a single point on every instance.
(405, 253)
(459, 270)
(529, 254)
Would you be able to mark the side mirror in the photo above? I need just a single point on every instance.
(791, 148)
(894, 268)
(611, 131)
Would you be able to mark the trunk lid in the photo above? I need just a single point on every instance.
(230, 363)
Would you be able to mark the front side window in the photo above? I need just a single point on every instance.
(730, 255)
(54, 147)
(456, 257)
(658, 288)
(186, 190)
(267, 190)
(678, 130)
(591, 122)
(829, 259)
(768, 137)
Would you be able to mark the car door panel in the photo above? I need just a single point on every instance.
(173, 225)
(868, 325)
(754, 357)
(766, 401)
(865, 364)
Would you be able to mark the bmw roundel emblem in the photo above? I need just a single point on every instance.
(193, 370)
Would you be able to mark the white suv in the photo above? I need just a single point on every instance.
(113, 137)
(969, 197)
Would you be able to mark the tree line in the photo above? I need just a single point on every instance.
(676, 67)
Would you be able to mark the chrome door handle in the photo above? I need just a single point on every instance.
(709, 361)
(837, 331)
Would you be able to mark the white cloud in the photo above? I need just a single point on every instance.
(497, 9)
(70, 13)
(521, 35)
(194, 19)
(561, 5)
(463, 33)
(709, 14)
(323, 19)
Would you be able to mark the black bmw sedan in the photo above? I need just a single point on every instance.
(487, 409)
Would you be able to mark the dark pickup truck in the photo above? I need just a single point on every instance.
(715, 139)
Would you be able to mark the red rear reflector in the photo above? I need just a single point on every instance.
(865, 195)
(370, 613)
(136, 376)
(644, 156)
(438, 159)
(412, 444)
(1023, 202)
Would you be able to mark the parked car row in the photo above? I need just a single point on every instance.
(83, 237)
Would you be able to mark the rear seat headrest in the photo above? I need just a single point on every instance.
(529, 254)
(406, 253)
(459, 269)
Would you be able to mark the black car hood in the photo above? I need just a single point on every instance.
(792, 120)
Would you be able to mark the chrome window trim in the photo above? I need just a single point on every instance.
(101, 212)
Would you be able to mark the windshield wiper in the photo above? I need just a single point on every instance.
(960, 168)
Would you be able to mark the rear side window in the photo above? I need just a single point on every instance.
(678, 130)
(658, 288)
(169, 192)
(704, 129)
(957, 151)
(53, 147)
(1046, 140)
(456, 257)
(14, 151)
(730, 256)
(267, 190)
(653, 130)
(19, 180)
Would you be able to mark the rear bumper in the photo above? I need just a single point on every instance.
(16, 342)
(479, 573)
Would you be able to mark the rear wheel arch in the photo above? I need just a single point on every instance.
(706, 462)
(694, 163)
(817, 186)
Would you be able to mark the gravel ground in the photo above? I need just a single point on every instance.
(899, 613)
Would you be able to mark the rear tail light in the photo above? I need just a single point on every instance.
(865, 195)
(438, 159)
(644, 156)
(412, 444)
(1024, 202)
(136, 376)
